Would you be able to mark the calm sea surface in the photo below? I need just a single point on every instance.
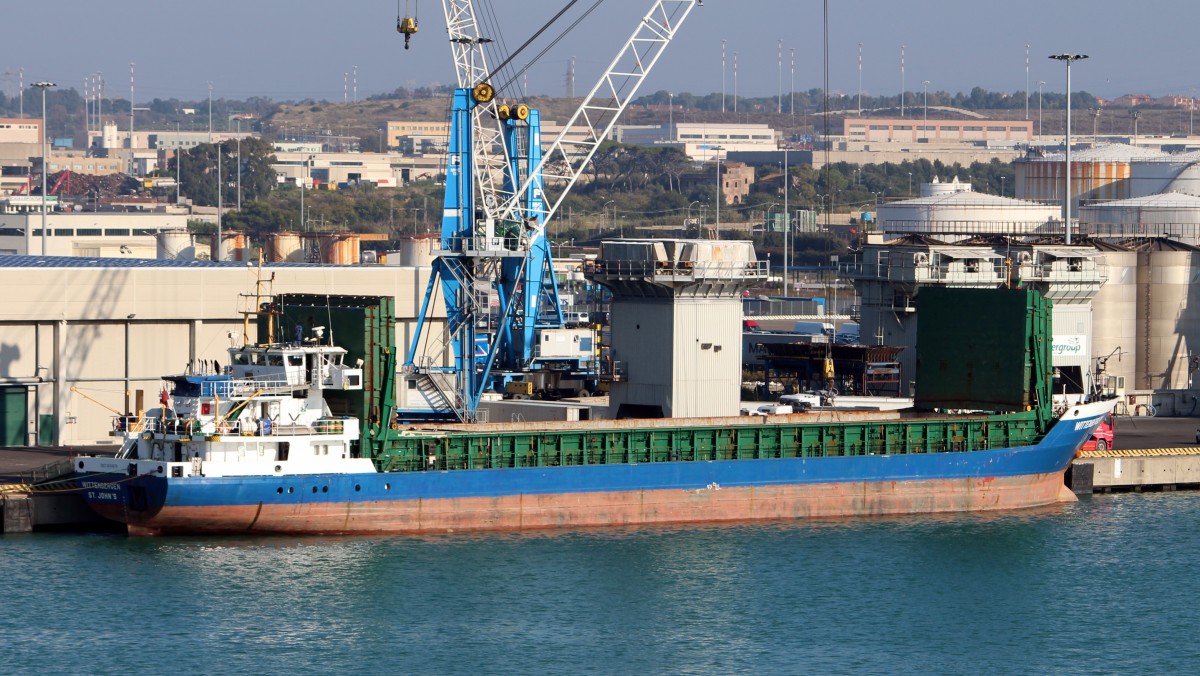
(1111, 584)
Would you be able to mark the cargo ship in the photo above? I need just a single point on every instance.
(302, 437)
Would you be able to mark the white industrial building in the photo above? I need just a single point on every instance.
(71, 327)
(888, 278)
(105, 234)
(700, 140)
(676, 324)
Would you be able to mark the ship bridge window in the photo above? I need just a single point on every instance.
(274, 360)
(241, 359)
(295, 360)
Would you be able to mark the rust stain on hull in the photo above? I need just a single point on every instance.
(624, 508)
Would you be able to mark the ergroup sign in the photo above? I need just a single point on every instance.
(1069, 346)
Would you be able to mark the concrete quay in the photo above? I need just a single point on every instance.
(24, 509)
(1157, 454)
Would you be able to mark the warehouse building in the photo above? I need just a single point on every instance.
(78, 334)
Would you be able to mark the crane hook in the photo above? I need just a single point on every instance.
(406, 25)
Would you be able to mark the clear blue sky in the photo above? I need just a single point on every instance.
(292, 49)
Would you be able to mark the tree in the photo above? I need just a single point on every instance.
(199, 178)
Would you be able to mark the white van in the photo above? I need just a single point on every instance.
(802, 401)
(575, 319)
(814, 328)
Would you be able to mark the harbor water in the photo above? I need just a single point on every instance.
(1105, 585)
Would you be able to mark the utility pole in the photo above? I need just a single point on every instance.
(722, 76)
(219, 204)
(131, 168)
(860, 79)
(779, 80)
(1026, 82)
(735, 83)
(901, 80)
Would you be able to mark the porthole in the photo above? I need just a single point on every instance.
(290, 489)
(324, 489)
(357, 488)
(279, 490)
(80, 464)
(387, 487)
(314, 489)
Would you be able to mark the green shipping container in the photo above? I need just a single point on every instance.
(982, 349)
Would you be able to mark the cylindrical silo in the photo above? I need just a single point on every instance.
(417, 252)
(232, 247)
(339, 249)
(1114, 316)
(285, 247)
(1169, 320)
(175, 245)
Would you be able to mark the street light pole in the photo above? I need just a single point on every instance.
(1067, 198)
(689, 220)
(671, 115)
(45, 167)
(925, 123)
(717, 227)
(1041, 83)
(787, 218)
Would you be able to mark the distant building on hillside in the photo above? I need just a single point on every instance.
(915, 129)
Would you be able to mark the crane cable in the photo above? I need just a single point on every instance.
(553, 42)
(535, 36)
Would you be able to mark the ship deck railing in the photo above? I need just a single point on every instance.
(190, 427)
(241, 388)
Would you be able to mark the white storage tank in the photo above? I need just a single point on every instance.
(1177, 173)
(232, 247)
(175, 245)
(416, 252)
(937, 187)
(285, 247)
(1171, 214)
(955, 216)
(1100, 173)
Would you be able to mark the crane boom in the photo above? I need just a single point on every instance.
(470, 69)
(494, 214)
(565, 160)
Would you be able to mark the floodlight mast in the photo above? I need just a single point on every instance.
(1068, 196)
